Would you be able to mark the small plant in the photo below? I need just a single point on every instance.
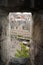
(23, 53)
(20, 36)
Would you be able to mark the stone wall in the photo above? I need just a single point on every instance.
(3, 32)
(9, 43)
(36, 43)
(8, 48)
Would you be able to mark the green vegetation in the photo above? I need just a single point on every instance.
(23, 53)
(20, 36)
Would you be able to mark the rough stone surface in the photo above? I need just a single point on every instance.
(8, 40)
(36, 45)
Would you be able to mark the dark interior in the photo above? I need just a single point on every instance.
(21, 5)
